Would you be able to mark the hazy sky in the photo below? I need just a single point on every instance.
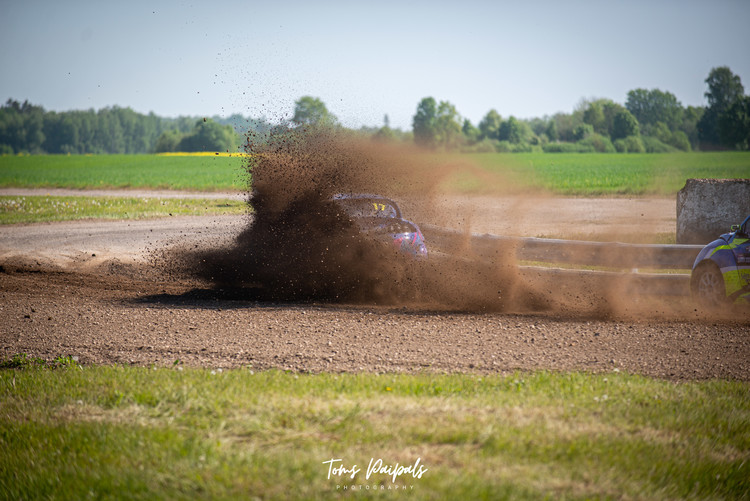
(363, 59)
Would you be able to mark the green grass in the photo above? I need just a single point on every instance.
(604, 174)
(205, 173)
(563, 174)
(116, 432)
(33, 209)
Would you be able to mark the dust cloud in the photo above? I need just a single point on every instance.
(299, 246)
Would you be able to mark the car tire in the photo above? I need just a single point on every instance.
(708, 288)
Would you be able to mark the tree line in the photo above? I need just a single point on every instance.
(27, 128)
(649, 121)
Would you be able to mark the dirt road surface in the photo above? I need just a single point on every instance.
(89, 290)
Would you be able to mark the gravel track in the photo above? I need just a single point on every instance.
(86, 289)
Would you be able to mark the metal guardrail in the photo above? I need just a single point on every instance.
(573, 252)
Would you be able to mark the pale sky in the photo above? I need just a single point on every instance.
(363, 59)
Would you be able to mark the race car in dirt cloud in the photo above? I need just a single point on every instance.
(721, 272)
(380, 217)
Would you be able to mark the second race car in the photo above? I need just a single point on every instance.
(721, 272)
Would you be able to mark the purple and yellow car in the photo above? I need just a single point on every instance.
(380, 217)
(721, 273)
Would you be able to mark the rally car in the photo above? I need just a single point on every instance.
(721, 272)
(380, 217)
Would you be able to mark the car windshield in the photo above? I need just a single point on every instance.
(367, 207)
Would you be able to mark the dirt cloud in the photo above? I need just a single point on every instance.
(299, 246)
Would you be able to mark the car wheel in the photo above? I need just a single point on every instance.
(708, 288)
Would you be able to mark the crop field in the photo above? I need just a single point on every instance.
(563, 174)
(170, 433)
(609, 174)
(176, 172)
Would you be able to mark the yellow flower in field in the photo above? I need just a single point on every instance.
(202, 154)
(388, 388)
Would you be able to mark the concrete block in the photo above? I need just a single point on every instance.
(706, 208)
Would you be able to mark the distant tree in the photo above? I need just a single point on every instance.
(470, 132)
(582, 131)
(312, 111)
(22, 126)
(594, 116)
(690, 118)
(538, 126)
(660, 131)
(514, 131)
(424, 123)
(551, 131)
(384, 135)
(566, 124)
(209, 136)
(448, 126)
(680, 141)
(600, 114)
(734, 124)
(724, 89)
(489, 126)
(652, 106)
(630, 144)
(625, 124)
(596, 142)
(168, 141)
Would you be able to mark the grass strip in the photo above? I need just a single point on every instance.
(34, 209)
(72, 432)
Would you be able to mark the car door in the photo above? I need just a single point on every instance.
(740, 246)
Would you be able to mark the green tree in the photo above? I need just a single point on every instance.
(734, 124)
(566, 125)
(448, 126)
(209, 136)
(514, 131)
(582, 131)
(312, 111)
(630, 144)
(724, 89)
(594, 116)
(384, 135)
(625, 125)
(690, 118)
(470, 132)
(424, 123)
(489, 126)
(551, 131)
(652, 106)
(168, 141)
(22, 126)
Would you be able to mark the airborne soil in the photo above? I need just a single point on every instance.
(93, 290)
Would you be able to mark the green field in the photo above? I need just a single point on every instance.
(165, 433)
(204, 173)
(563, 174)
(607, 174)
